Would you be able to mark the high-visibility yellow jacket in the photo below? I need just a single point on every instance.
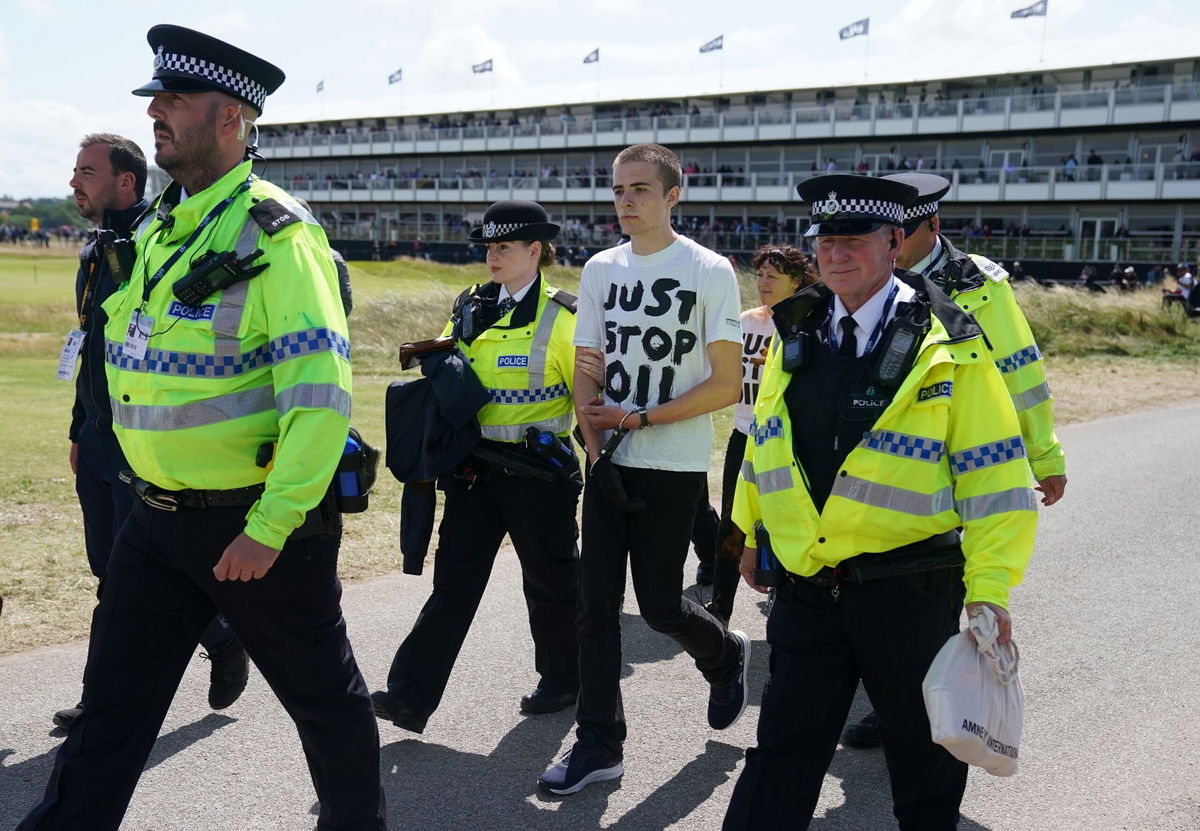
(264, 361)
(527, 366)
(947, 452)
(981, 287)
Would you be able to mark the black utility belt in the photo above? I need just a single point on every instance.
(165, 500)
(938, 552)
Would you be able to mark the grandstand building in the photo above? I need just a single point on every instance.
(1090, 164)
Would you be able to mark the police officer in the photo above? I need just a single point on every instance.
(231, 393)
(517, 332)
(981, 287)
(109, 183)
(881, 427)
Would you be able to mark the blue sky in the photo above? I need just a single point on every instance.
(66, 69)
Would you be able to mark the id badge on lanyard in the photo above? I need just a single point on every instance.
(137, 334)
(70, 355)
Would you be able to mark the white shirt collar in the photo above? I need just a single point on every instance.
(932, 258)
(519, 296)
(867, 316)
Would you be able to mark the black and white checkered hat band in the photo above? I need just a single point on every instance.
(921, 211)
(834, 208)
(499, 229)
(230, 79)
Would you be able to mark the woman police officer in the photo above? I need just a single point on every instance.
(781, 272)
(516, 332)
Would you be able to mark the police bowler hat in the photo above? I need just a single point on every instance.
(846, 204)
(930, 189)
(514, 219)
(189, 61)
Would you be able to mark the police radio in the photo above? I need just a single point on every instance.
(900, 347)
(797, 351)
(119, 253)
(215, 271)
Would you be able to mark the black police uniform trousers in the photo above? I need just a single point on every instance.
(106, 501)
(159, 595)
(885, 632)
(654, 543)
(539, 517)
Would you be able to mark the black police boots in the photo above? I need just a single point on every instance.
(229, 673)
(862, 735)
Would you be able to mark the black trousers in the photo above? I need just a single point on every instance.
(103, 497)
(106, 501)
(884, 632)
(730, 540)
(655, 544)
(159, 595)
(539, 516)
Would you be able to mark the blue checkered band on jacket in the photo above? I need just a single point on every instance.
(244, 87)
(772, 429)
(200, 365)
(1018, 359)
(900, 444)
(919, 211)
(996, 453)
(852, 208)
(532, 396)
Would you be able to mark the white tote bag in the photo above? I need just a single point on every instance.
(974, 698)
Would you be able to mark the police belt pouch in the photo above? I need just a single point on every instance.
(355, 474)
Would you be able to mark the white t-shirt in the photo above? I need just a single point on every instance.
(757, 330)
(653, 316)
(1186, 283)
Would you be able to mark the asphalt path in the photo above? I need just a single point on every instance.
(1106, 620)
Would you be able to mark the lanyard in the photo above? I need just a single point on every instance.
(204, 223)
(87, 290)
(935, 262)
(879, 324)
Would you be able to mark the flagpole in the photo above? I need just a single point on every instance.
(1042, 53)
(867, 55)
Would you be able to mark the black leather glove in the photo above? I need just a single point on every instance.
(604, 474)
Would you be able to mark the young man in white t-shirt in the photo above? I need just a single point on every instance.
(658, 348)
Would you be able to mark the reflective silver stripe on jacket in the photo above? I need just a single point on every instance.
(748, 471)
(314, 396)
(775, 479)
(1014, 499)
(228, 316)
(516, 432)
(1031, 398)
(194, 414)
(541, 343)
(892, 498)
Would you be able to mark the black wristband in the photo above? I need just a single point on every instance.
(644, 416)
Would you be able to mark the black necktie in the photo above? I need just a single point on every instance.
(848, 347)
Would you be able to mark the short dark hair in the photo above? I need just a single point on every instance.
(124, 156)
(669, 169)
(787, 260)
